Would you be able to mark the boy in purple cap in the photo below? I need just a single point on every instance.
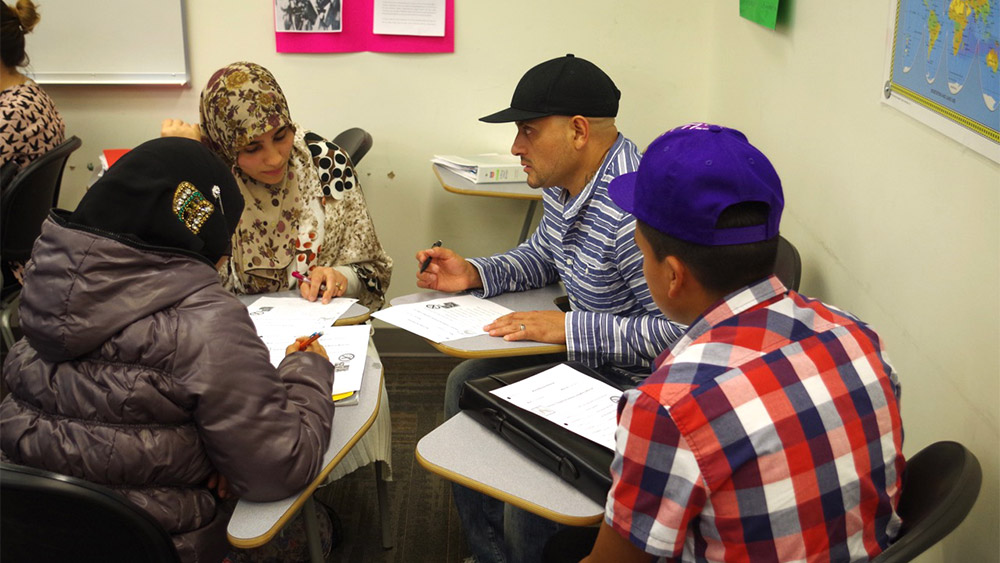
(770, 431)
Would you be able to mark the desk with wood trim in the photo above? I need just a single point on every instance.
(255, 523)
(466, 452)
(456, 184)
(485, 346)
(368, 422)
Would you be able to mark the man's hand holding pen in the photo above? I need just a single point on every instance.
(446, 271)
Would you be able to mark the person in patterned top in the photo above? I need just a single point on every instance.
(305, 212)
(31, 126)
(771, 430)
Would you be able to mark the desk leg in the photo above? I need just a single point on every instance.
(527, 221)
(312, 531)
(382, 491)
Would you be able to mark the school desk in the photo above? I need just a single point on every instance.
(454, 183)
(486, 346)
(255, 523)
(466, 452)
(374, 445)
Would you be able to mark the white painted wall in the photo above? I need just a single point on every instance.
(894, 221)
(414, 105)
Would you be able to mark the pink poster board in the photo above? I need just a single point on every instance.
(357, 35)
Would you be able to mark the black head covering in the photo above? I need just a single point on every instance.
(169, 194)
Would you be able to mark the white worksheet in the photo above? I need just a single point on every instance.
(279, 321)
(444, 319)
(347, 348)
(571, 399)
(409, 17)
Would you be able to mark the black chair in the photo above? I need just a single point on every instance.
(7, 173)
(788, 265)
(356, 142)
(24, 204)
(47, 517)
(940, 487)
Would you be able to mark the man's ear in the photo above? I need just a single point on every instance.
(581, 130)
(679, 276)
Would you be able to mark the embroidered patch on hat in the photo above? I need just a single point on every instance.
(191, 207)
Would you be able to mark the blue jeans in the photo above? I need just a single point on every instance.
(496, 532)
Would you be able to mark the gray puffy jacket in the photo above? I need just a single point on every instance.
(138, 371)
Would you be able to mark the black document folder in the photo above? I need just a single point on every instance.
(581, 462)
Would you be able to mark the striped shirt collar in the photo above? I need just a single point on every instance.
(605, 173)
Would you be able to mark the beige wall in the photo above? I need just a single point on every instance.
(895, 222)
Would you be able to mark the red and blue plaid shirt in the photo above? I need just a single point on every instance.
(769, 432)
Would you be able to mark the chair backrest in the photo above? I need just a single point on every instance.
(7, 172)
(788, 265)
(940, 486)
(46, 516)
(356, 142)
(25, 203)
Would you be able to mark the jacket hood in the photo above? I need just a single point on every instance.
(81, 288)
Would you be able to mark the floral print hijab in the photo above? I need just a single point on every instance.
(241, 102)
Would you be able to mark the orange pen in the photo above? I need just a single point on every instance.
(305, 344)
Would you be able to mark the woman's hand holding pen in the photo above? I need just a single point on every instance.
(447, 271)
(178, 128)
(328, 280)
(311, 345)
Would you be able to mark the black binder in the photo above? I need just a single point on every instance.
(584, 464)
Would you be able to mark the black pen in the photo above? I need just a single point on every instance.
(427, 261)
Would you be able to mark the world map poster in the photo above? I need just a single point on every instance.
(944, 68)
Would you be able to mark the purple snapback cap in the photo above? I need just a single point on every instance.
(690, 174)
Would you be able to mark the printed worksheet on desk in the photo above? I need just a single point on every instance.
(571, 399)
(444, 319)
(280, 320)
(347, 348)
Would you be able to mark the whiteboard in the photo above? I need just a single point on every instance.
(108, 42)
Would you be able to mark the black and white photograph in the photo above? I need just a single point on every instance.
(308, 15)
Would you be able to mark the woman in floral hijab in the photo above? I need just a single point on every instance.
(305, 212)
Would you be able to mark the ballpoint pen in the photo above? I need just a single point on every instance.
(304, 279)
(427, 261)
(305, 344)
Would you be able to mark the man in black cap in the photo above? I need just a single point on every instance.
(565, 111)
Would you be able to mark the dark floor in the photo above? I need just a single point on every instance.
(422, 514)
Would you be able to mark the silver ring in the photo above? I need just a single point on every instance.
(522, 328)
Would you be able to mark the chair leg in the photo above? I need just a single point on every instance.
(312, 531)
(382, 491)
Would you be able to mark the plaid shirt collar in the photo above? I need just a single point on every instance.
(763, 292)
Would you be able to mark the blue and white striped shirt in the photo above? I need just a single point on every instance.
(588, 243)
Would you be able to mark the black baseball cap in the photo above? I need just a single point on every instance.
(564, 86)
